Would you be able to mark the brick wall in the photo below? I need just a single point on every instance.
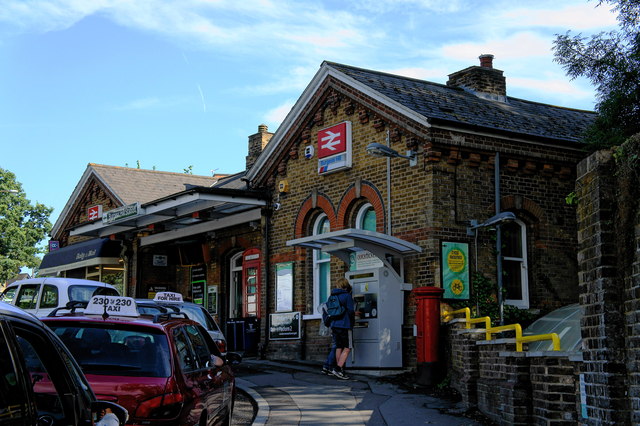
(609, 259)
(512, 388)
(452, 184)
(94, 194)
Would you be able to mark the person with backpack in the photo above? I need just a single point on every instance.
(330, 363)
(341, 311)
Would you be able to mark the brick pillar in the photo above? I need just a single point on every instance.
(600, 293)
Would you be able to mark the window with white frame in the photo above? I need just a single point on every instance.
(366, 218)
(321, 266)
(514, 264)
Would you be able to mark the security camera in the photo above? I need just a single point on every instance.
(276, 206)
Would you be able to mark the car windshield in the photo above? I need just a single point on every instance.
(83, 293)
(198, 314)
(9, 294)
(117, 350)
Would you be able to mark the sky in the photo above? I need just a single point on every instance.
(180, 84)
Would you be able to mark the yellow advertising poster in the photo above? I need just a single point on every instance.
(455, 270)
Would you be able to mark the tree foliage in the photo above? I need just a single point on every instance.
(611, 60)
(22, 227)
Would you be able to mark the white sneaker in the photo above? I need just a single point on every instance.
(339, 374)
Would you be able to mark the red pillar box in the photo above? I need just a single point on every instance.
(428, 332)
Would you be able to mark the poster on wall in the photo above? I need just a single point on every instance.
(285, 326)
(198, 284)
(455, 270)
(212, 299)
(284, 287)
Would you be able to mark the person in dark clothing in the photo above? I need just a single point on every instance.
(330, 363)
(341, 327)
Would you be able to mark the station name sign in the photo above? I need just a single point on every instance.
(121, 213)
(334, 148)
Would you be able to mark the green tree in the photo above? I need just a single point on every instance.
(22, 227)
(611, 61)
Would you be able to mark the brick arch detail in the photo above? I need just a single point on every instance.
(371, 193)
(511, 202)
(322, 203)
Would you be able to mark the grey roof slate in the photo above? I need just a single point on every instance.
(446, 104)
(139, 185)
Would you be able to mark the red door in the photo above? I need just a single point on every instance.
(251, 282)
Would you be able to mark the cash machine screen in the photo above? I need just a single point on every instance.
(366, 304)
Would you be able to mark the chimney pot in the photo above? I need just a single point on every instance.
(486, 60)
(263, 128)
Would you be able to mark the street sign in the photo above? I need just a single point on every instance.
(334, 148)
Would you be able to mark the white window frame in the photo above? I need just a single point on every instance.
(360, 215)
(524, 276)
(317, 262)
(233, 289)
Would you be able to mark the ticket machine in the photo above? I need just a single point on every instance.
(377, 334)
(378, 290)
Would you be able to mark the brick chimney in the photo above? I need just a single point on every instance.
(257, 143)
(482, 80)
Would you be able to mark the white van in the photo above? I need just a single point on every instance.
(40, 296)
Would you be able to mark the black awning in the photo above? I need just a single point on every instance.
(87, 253)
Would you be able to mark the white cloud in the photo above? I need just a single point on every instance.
(277, 115)
(385, 6)
(552, 85)
(518, 45)
(429, 74)
(578, 17)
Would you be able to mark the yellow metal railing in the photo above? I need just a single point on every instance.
(489, 330)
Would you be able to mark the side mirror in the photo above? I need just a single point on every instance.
(233, 358)
(98, 409)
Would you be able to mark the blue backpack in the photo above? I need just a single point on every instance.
(335, 310)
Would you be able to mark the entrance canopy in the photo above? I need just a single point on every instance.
(177, 211)
(88, 253)
(347, 241)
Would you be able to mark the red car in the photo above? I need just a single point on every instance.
(164, 369)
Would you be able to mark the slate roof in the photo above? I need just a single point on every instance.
(445, 104)
(131, 185)
(139, 185)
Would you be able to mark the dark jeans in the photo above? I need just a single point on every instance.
(330, 363)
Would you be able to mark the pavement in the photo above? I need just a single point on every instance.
(296, 393)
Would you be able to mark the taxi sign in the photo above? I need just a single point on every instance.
(168, 296)
(112, 305)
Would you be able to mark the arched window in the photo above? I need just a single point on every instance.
(514, 264)
(366, 218)
(321, 266)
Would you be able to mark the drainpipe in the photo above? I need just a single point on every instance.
(267, 279)
(389, 229)
(498, 239)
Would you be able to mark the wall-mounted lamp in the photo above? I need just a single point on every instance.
(499, 218)
(380, 150)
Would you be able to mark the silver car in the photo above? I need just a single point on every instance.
(194, 311)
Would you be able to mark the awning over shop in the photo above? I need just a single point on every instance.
(178, 211)
(88, 253)
(343, 243)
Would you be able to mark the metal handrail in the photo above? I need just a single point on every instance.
(517, 328)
